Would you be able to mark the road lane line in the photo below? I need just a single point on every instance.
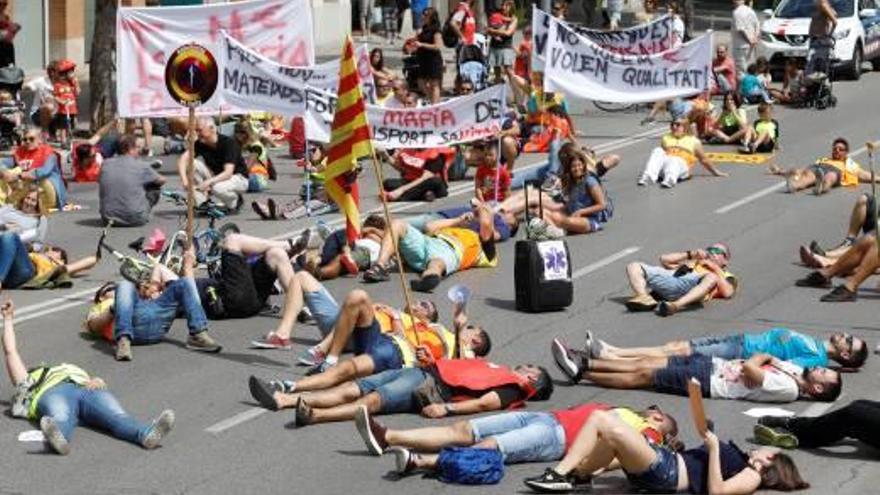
(236, 420)
(763, 192)
(51, 302)
(592, 267)
(51, 310)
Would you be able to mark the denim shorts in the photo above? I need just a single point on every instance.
(664, 283)
(417, 249)
(661, 476)
(821, 169)
(372, 342)
(724, 347)
(523, 436)
(395, 388)
(674, 378)
(325, 309)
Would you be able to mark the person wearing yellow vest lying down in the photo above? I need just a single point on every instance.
(62, 396)
(384, 339)
(450, 245)
(683, 279)
(675, 158)
(826, 173)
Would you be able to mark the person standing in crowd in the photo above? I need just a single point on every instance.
(614, 11)
(8, 30)
(744, 35)
(219, 167)
(822, 25)
(464, 23)
(128, 188)
(427, 46)
(502, 27)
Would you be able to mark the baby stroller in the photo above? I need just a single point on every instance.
(818, 76)
(12, 113)
(472, 66)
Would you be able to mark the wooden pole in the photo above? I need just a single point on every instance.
(190, 165)
(406, 295)
(873, 213)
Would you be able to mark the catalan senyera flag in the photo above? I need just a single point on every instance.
(349, 140)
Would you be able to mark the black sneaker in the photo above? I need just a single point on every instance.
(814, 279)
(371, 431)
(303, 413)
(263, 393)
(774, 421)
(839, 294)
(571, 363)
(553, 482)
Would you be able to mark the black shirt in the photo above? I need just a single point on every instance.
(225, 151)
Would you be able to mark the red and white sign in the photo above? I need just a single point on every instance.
(280, 30)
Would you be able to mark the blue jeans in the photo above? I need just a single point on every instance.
(395, 388)
(662, 474)
(324, 309)
(724, 347)
(664, 283)
(15, 265)
(69, 404)
(540, 172)
(147, 321)
(523, 436)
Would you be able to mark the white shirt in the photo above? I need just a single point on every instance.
(372, 246)
(677, 31)
(727, 383)
(42, 89)
(745, 20)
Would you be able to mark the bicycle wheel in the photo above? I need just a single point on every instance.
(607, 106)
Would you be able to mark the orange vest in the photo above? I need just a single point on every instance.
(467, 246)
(849, 170)
(439, 341)
(478, 375)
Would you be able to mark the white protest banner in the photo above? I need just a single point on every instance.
(145, 36)
(578, 67)
(653, 37)
(238, 62)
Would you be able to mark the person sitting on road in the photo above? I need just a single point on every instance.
(763, 135)
(21, 267)
(731, 125)
(219, 168)
(548, 172)
(519, 436)
(60, 397)
(826, 173)
(492, 179)
(260, 167)
(857, 420)
(760, 378)
(422, 175)
(674, 160)
(442, 388)
(724, 72)
(785, 344)
(860, 222)
(336, 256)
(142, 314)
(713, 468)
(449, 246)
(857, 264)
(751, 88)
(33, 163)
(682, 279)
(793, 84)
(29, 220)
(128, 188)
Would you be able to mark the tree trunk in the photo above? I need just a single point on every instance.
(102, 101)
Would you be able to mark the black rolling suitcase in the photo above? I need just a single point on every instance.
(542, 271)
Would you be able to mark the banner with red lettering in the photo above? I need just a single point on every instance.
(280, 30)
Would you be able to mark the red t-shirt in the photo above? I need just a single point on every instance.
(522, 64)
(465, 17)
(485, 180)
(65, 96)
(573, 419)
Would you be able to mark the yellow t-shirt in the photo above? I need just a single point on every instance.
(42, 264)
(684, 147)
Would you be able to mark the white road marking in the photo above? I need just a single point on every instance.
(54, 309)
(763, 192)
(236, 420)
(592, 267)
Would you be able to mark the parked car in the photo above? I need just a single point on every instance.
(857, 36)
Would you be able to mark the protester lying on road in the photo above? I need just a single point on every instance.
(20, 267)
(549, 171)
(683, 279)
(860, 419)
(62, 396)
(442, 388)
(782, 343)
(857, 264)
(336, 256)
(826, 173)
(761, 378)
(675, 158)
(518, 436)
(142, 314)
(506, 224)
(450, 246)
(713, 468)
(860, 221)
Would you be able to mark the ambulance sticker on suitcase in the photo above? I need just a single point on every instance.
(555, 257)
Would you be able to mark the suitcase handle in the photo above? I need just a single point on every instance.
(535, 183)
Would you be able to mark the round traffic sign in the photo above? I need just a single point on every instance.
(191, 75)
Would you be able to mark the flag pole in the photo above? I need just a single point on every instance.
(873, 213)
(407, 297)
(307, 167)
(190, 165)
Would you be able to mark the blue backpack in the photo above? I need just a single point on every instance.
(466, 466)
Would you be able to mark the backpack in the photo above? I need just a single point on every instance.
(450, 37)
(469, 466)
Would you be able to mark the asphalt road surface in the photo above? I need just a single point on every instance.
(224, 444)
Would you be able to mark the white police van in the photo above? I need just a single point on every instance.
(857, 36)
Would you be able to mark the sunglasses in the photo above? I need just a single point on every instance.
(849, 342)
(716, 250)
(30, 139)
